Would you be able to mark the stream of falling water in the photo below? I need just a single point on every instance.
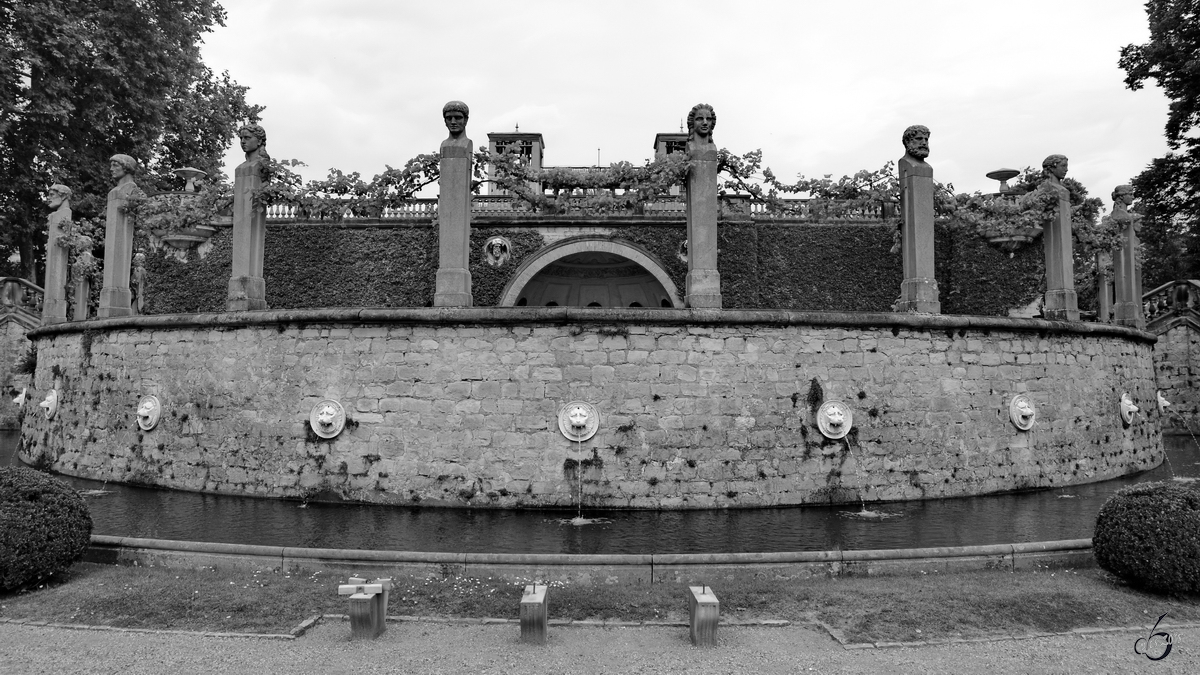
(864, 514)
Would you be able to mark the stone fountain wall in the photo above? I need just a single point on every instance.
(699, 408)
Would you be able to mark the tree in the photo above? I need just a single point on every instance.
(82, 81)
(1169, 189)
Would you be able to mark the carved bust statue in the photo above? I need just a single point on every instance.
(916, 149)
(59, 199)
(701, 121)
(123, 168)
(253, 139)
(455, 114)
(1054, 168)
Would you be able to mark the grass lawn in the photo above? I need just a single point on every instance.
(870, 609)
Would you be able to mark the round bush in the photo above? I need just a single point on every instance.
(1149, 535)
(44, 526)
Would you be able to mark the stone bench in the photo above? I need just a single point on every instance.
(704, 612)
(368, 606)
(534, 614)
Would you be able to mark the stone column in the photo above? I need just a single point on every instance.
(1127, 310)
(918, 291)
(1061, 304)
(703, 279)
(247, 288)
(452, 286)
(115, 296)
(54, 306)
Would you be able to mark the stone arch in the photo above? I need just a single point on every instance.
(535, 263)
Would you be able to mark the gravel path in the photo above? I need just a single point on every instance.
(480, 649)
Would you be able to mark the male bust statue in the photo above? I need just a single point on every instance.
(701, 121)
(916, 149)
(455, 114)
(123, 168)
(59, 199)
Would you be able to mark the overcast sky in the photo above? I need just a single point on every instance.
(822, 87)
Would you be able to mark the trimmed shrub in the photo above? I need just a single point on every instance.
(1149, 535)
(44, 527)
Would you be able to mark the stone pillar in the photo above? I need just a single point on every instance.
(1104, 287)
(703, 279)
(115, 296)
(83, 287)
(1127, 311)
(918, 291)
(452, 286)
(1061, 304)
(247, 288)
(54, 306)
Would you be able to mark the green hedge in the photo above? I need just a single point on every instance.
(818, 267)
(44, 527)
(1149, 535)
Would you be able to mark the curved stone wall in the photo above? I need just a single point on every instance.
(698, 408)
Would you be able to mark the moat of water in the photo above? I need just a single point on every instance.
(1063, 513)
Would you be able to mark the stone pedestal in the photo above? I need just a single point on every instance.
(703, 279)
(918, 291)
(535, 615)
(1127, 310)
(704, 613)
(452, 286)
(247, 289)
(1061, 304)
(368, 606)
(54, 305)
(115, 297)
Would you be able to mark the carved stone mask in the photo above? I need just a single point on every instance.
(836, 417)
(326, 415)
(578, 417)
(1128, 408)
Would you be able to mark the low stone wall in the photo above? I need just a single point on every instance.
(698, 408)
(1176, 368)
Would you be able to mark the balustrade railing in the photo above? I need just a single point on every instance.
(1174, 298)
(21, 294)
(503, 205)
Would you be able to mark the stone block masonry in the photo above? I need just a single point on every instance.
(699, 408)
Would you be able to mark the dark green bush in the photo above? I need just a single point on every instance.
(44, 527)
(1149, 535)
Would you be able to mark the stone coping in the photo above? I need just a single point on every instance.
(516, 316)
(335, 555)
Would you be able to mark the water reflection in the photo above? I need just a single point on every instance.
(1029, 516)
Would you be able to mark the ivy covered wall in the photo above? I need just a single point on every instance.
(806, 266)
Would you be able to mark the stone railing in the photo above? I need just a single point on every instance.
(486, 206)
(1174, 298)
(23, 298)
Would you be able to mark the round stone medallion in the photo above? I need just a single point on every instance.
(149, 410)
(1021, 412)
(327, 418)
(578, 420)
(834, 419)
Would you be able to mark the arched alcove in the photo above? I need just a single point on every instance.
(591, 271)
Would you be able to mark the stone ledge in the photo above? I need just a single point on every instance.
(585, 315)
